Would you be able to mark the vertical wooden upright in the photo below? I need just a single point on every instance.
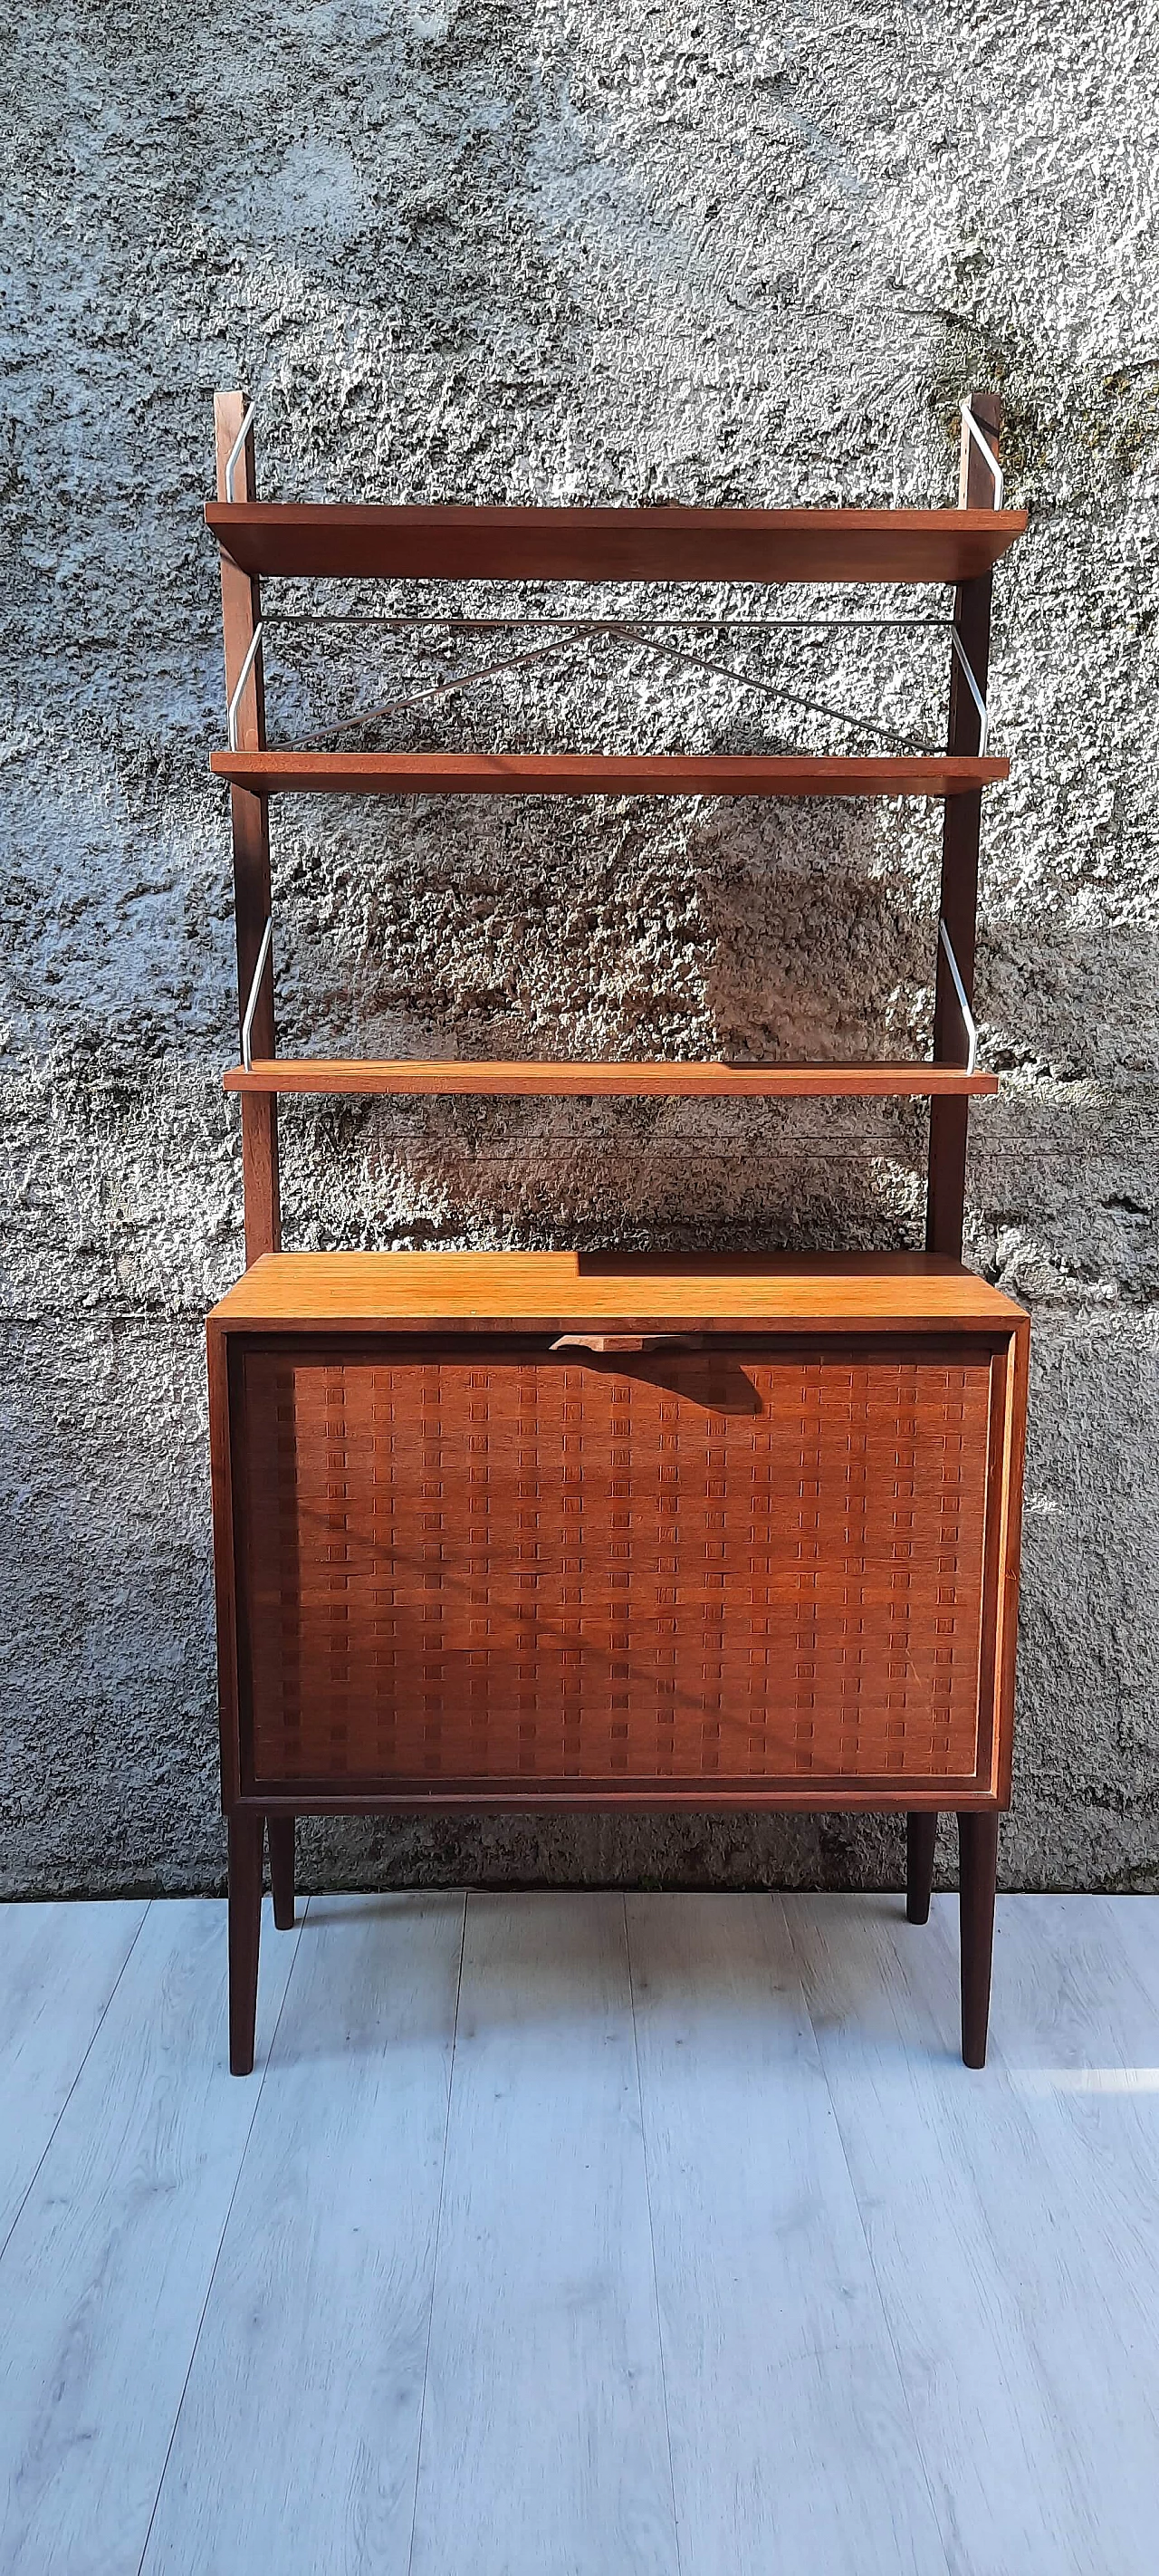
(241, 611)
(949, 1127)
(961, 833)
(249, 815)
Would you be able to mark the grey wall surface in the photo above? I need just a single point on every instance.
(619, 253)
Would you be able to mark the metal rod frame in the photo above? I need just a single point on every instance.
(618, 630)
(241, 607)
(562, 630)
(962, 658)
(985, 451)
(255, 988)
(438, 689)
(242, 677)
(968, 1021)
(236, 449)
(980, 482)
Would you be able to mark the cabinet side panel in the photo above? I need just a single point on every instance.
(1017, 1374)
(224, 1575)
(754, 1562)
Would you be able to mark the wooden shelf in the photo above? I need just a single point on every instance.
(362, 543)
(444, 773)
(621, 1081)
(497, 1291)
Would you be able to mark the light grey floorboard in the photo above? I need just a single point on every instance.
(544, 2449)
(793, 2445)
(105, 2273)
(58, 1967)
(1129, 1926)
(297, 2441)
(882, 1996)
(1058, 2216)
(1078, 2034)
(215, 2297)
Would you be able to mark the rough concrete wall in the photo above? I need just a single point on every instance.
(620, 253)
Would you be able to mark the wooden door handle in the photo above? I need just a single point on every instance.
(601, 1342)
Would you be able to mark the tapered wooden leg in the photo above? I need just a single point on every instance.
(920, 1835)
(978, 1874)
(245, 1924)
(280, 1836)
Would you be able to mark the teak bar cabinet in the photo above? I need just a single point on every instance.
(574, 1530)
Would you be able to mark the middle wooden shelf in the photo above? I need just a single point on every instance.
(629, 1081)
(517, 773)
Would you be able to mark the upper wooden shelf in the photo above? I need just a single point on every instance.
(330, 540)
(477, 773)
(624, 1081)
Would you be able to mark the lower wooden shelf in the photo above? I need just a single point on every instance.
(642, 1081)
(567, 773)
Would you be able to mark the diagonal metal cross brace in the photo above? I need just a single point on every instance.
(767, 688)
(571, 631)
(439, 689)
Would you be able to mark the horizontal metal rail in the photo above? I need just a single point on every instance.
(587, 625)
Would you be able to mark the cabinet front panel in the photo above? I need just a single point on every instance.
(753, 1562)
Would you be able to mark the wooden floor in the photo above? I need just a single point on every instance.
(564, 2235)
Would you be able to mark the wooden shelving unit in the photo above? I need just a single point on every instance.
(499, 1529)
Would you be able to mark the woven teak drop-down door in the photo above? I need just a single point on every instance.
(507, 1568)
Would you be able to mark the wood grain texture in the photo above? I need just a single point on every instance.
(963, 2235)
(977, 1872)
(246, 1835)
(921, 1836)
(241, 603)
(747, 1562)
(241, 610)
(261, 1186)
(553, 1291)
(358, 542)
(793, 2444)
(59, 1966)
(479, 773)
(221, 1469)
(104, 2276)
(296, 2448)
(280, 1844)
(544, 2443)
(961, 840)
(623, 1081)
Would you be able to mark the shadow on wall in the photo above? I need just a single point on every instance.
(654, 931)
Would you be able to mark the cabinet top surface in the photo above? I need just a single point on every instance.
(497, 1291)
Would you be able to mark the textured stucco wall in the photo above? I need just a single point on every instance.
(620, 253)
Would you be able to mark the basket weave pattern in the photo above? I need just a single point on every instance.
(748, 1562)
